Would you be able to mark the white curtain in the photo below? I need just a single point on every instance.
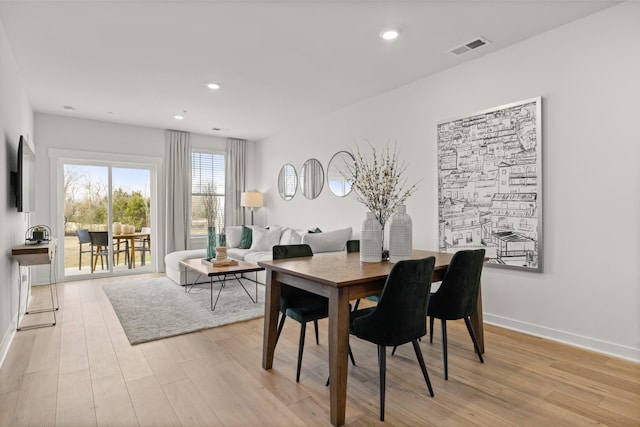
(178, 187)
(235, 160)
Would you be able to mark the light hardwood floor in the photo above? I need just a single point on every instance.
(83, 372)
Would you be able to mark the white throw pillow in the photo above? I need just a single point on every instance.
(264, 239)
(331, 241)
(290, 237)
(234, 235)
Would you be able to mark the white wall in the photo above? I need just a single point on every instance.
(16, 118)
(587, 74)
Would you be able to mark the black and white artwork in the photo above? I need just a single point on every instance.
(490, 182)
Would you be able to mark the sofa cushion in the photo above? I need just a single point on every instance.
(331, 241)
(237, 253)
(234, 235)
(291, 237)
(255, 257)
(264, 239)
(247, 236)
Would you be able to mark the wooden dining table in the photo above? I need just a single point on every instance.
(341, 277)
(131, 237)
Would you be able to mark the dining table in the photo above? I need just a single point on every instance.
(341, 277)
(131, 237)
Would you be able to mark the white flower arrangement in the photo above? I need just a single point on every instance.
(378, 182)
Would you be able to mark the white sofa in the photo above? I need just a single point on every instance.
(262, 242)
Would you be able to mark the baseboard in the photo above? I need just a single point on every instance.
(7, 339)
(588, 343)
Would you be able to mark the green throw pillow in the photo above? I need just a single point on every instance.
(315, 230)
(247, 237)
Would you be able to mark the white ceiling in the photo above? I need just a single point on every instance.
(280, 63)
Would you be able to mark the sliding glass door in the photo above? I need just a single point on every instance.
(108, 226)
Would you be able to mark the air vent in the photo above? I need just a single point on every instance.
(473, 44)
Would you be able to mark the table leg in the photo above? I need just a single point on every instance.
(132, 255)
(338, 351)
(271, 310)
(477, 322)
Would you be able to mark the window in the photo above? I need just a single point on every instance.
(207, 175)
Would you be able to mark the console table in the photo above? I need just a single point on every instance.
(37, 254)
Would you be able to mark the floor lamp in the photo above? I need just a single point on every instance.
(252, 199)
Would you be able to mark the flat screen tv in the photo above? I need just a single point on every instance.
(25, 177)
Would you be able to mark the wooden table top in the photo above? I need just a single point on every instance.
(344, 269)
(197, 264)
(36, 253)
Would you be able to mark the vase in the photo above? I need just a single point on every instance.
(370, 239)
(400, 235)
(211, 243)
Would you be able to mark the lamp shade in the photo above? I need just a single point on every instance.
(252, 199)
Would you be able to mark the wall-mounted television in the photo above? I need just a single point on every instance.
(25, 177)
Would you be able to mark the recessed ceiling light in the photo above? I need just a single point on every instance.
(178, 117)
(390, 34)
(213, 86)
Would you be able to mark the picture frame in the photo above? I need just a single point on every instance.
(490, 184)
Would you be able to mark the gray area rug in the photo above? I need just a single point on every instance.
(151, 309)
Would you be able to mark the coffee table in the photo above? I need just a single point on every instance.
(222, 273)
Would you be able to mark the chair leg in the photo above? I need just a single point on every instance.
(382, 364)
(315, 326)
(444, 348)
(431, 329)
(416, 347)
(303, 328)
(472, 334)
(282, 319)
(355, 306)
(80, 258)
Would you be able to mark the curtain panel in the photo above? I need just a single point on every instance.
(178, 185)
(235, 164)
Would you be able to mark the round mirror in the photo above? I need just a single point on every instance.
(339, 166)
(287, 182)
(311, 178)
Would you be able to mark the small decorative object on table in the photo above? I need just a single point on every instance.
(37, 234)
(378, 184)
(370, 239)
(400, 235)
(211, 206)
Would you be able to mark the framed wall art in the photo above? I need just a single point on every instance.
(490, 184)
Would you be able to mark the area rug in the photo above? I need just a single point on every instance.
(155, 308)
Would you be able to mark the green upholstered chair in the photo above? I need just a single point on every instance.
(457, 297)
(298, 304)
(399, 316)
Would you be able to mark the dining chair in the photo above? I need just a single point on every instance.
(143, 244)
(298, 304)
(457, 297)
(100, 248)
(398, 318)
(83, 238)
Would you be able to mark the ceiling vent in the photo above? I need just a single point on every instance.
(473, 44)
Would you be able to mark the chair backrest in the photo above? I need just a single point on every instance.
(83, 236)
(291, 251)
(399, 316)
(353, 245)
(458, 294)
(99, 238)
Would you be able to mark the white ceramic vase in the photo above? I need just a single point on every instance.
(400, 235)
(371, 239)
